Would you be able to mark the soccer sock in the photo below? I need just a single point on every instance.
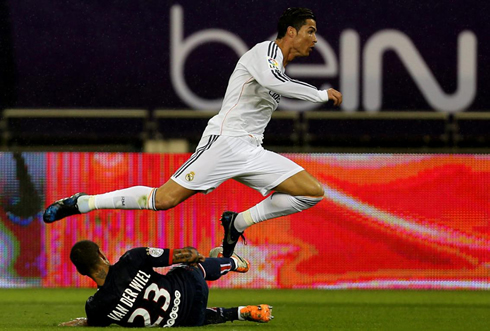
(231, 314)
(277, 204)
(136, 197)
(243, 220)
(218, 315)
(214, 268)
(239, 313)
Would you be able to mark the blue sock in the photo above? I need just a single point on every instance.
(214, 268)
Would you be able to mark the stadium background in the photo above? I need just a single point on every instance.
(388, 221)
(403, 218)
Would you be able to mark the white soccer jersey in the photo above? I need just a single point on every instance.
(254, 91)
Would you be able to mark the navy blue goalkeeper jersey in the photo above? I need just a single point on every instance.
(134, 295)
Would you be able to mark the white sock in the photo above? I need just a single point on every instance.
(276, 205)
(243, 220)
(136, 197)
(240, 314)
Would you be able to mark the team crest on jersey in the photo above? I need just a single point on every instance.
(155, 252)
(273, 64)
(190, 176)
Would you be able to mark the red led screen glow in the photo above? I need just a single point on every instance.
(387, 221)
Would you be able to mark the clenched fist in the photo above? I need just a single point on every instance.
(335, 96)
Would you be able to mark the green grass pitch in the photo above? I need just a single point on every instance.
(43, 309)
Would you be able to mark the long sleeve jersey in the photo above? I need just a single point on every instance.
(254, 91)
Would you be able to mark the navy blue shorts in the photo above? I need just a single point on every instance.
(197, 314)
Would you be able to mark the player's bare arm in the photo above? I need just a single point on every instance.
(80, 321)
(188, 255)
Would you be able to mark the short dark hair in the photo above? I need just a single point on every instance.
(85, 256)
(295, 17)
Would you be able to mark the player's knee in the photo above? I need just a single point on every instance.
(165, 204)
(316, 190)
(165, 201)
(170, 195)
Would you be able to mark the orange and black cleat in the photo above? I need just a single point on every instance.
(261, 313)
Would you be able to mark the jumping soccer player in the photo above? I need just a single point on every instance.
(231, 145)
(130, 293)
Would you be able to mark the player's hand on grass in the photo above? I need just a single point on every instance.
(81, 321)
(335, 96)
(187, 255)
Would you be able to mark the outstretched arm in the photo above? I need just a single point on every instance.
(266, 67)
(80, 321)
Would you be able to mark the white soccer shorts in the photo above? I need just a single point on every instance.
(219, 158)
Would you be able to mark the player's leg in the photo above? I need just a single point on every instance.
(165, 197)
(137, 197)
(295, 190)
(218, 315)
(180, 187)
(301, 184)
(216, 265)
(261, 313)
(297, 193)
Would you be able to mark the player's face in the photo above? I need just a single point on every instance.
(305, 39)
